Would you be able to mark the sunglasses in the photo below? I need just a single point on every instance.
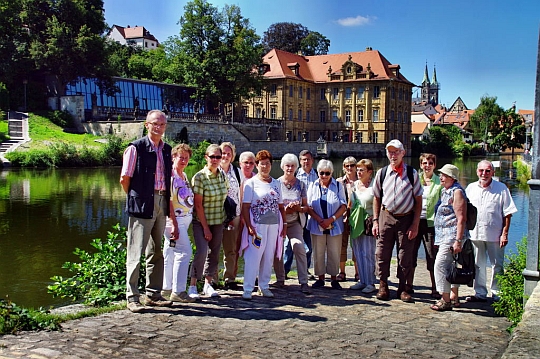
(215, 157)
(323, 173)
(485, 171)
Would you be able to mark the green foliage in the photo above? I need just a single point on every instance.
(198, 153)
(15, 319)
(485, 120)
(511, 285)
(292, 37)
(217, 52)
(61, 118)
(3, 129)
(314, 43)
(511, 133)
(100, 277)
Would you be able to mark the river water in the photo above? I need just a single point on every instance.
(46, 214)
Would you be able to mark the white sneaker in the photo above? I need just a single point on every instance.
(246, 295)
(266, 293)
(209, 291)
(358, 286)
(370, 288)
(193, 293)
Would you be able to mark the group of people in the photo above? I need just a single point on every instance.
(305, 214)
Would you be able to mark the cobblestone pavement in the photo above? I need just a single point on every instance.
(327, 324)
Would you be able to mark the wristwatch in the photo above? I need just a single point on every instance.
(459, 240)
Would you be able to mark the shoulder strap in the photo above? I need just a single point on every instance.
(410, 174)
(383, 175)
(235, 169)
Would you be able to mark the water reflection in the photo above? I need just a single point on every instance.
(46, 214)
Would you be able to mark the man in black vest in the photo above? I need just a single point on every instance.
(146, 179)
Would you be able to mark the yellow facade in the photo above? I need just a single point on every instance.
(350, 106)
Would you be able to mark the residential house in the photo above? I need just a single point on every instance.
(137, 35)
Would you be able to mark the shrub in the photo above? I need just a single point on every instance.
(61, 118)
(14, 319)
(511, 285)
(100, 277)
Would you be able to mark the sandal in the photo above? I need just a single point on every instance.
(341, 277)
(441, 306)
(455, 302)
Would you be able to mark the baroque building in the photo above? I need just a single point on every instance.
(350, 97)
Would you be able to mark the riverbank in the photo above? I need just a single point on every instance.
(326, 324)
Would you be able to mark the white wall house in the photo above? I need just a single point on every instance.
(137, 35)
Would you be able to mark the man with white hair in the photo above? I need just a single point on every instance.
(397, 205)
(490, 235)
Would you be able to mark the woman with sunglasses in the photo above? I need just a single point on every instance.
(210, 188)
(426, 230)
(349, 168)
(327, 204)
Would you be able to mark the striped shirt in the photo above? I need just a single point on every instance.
(213, 189)
(399, 195)
(130, 159)
(307, 178)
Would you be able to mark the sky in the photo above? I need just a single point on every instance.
(478, 47)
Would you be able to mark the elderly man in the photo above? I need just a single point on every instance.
(495, 208)
(397, 204)
(146, 179)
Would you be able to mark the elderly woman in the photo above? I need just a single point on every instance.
(177, 247)
(210, 189)
(450, 232)
(230, 232)
(327, 204)
(264, 216)
(247, 164)
(349, 168)
(363, 245)
(294, 194)
(426, 232)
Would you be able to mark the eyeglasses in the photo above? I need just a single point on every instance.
(324, 173)
(393, 153)
(217, 157)
(485, 171)
(182, 158)
(428, 163)
(156, 124)
(361, 170)
(349, 165)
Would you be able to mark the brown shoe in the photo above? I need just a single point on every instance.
(406, 297)
(157, 302)
(383, 293)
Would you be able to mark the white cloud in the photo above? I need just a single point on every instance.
(356, 21)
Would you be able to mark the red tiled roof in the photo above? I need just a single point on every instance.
(315, 68)
(137, 32)
(418, 127)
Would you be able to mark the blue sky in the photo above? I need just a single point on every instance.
(479, 47)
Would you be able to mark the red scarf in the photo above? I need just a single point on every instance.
(399, 169)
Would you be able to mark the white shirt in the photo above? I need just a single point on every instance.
(493, 203)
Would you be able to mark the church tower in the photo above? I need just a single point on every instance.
(430, 89)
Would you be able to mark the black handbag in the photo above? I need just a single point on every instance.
(368, 226)
(462, 269)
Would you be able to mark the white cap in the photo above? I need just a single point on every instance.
(396, 144)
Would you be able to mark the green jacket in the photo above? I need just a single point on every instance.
(433, 194)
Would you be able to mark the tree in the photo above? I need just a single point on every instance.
(65, 40)
(291, 37)
(218, 52)
(485, 120)
(314, 44)
(511, 133)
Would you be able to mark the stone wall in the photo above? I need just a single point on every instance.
(525, 341)
(236, 133)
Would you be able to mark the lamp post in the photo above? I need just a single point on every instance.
(25, 82)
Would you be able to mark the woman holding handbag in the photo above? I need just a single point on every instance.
(450, 233)
(362, 240)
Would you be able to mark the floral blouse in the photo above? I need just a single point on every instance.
(182, 195)
(264, 198)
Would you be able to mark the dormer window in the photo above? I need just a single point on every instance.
(349, 70)
(294, 67)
